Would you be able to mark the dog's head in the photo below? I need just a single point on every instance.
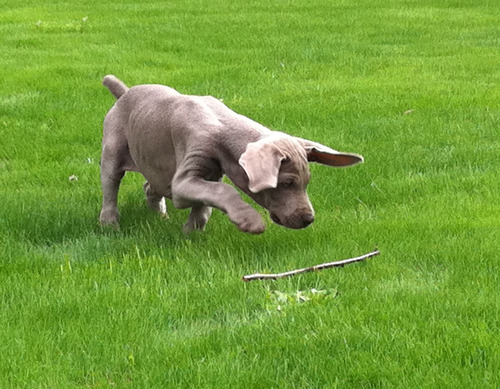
(278, 174)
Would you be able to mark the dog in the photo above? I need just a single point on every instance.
(183, 145)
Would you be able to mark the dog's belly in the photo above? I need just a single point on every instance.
(154, 157)
(156, 164)
(160, 182)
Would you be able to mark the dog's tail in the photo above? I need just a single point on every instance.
(115, 86)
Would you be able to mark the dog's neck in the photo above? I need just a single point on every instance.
(234, 147)
(234, 143)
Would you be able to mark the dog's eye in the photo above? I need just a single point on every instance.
(287, 183)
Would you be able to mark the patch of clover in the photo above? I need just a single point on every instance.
(280, 300)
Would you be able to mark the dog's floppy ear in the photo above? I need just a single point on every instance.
(316, 152)
(261, 162)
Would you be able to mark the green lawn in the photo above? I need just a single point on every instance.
(413, 85)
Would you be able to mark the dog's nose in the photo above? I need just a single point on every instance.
(307, 219)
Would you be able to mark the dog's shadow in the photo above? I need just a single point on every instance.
(58, 228)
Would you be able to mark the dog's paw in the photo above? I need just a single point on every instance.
(193, 225)
(158, 206)
(249, 221)
(197, 219)
(110, 219)
(155, 201)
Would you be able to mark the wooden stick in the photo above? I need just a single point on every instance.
(260, 276)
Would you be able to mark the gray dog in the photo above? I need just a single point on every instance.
(183, 145)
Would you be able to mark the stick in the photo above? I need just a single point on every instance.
(260, 276)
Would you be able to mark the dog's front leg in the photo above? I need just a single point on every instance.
(193, 191)
(198, 218)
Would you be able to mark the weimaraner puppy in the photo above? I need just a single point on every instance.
(183, 145)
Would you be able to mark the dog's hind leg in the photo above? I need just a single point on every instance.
(115, 161)
(111, 175)
(155, 201)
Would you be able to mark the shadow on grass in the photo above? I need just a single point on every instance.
(55, 227)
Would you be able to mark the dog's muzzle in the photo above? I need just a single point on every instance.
(298, 221)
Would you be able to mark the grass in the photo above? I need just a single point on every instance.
(411, 85)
